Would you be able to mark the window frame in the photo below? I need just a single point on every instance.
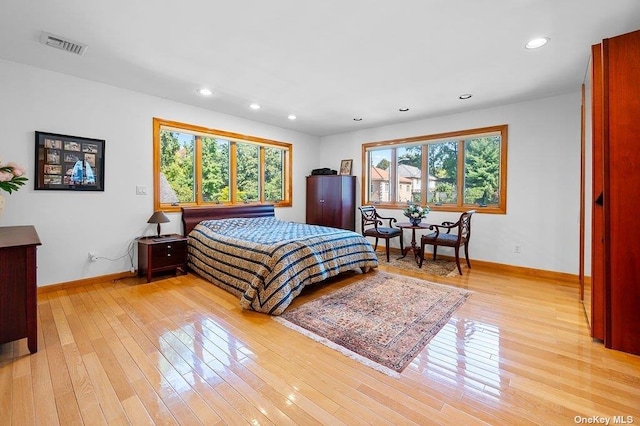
(460, 136)
(162, 124)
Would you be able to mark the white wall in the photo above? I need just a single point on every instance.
(70, 224)
(543, 179)
(543, 173)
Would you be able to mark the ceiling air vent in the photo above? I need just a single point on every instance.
(63, 43)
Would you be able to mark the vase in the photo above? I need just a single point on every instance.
(1, 205)
(415, 221)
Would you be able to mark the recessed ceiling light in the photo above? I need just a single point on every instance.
(292, 117)
(465, 96)
(537, 42)
(205, 92)
(254, 106)
(357, 119)
(403, 109)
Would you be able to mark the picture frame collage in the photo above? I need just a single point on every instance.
(66, 162)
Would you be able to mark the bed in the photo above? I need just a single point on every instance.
(265, 261)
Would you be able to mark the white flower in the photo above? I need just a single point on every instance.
(416, 212)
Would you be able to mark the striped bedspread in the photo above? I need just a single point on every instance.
(267, 262)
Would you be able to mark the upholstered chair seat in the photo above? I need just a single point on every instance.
(443, 236)
(372, 227)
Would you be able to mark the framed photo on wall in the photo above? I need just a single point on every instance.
(345, 167)
(66, 162)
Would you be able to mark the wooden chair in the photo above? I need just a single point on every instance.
(447, 239)
(372, 227)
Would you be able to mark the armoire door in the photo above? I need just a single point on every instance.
(597, 198)
(314, 201)
(621, 201)
(332, 201)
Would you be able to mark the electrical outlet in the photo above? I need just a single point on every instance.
(93, 256)
(141, 190)
(517, 248)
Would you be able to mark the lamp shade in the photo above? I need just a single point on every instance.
(158, 217)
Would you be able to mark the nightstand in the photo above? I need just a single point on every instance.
(164, 253)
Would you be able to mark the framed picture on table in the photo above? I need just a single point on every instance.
(345, 167)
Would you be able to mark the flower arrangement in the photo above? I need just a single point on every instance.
(415, 212)
(11, 177)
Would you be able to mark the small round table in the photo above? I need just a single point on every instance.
(414, 247)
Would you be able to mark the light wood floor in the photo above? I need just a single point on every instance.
(180, 351)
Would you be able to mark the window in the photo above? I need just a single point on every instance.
(453, 171)
(197, 166)
(379, 177)
(215, 170)
(247, 172)
(409, 174)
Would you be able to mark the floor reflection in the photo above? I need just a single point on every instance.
(464, 355)
(199, 348)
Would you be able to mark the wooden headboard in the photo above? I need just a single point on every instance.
(191, 216)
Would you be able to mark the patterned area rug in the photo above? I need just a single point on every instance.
(440, 267)
(384, 320)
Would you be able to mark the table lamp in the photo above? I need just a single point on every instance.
(158, 217)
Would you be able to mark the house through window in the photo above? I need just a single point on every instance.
(453, 171)
(197, 166)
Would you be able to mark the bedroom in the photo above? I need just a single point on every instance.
(543, 188)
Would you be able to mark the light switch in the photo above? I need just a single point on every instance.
(141, 190)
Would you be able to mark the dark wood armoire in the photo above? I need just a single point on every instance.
(615, 192)
(331, 201)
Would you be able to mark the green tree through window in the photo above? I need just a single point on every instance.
(273, 174)
(443, 165)
(198, 166)
(482, 171)
(248, 160)
(177, 166)
(215, 170)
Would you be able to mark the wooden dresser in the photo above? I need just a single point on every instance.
(18, 285)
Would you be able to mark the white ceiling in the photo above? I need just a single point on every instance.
(326, 61)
